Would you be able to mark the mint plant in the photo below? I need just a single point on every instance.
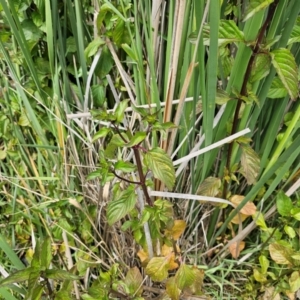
(162, 254)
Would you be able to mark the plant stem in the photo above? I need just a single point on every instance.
(141, 175)
(124, 179)
(137, 155)
(243, 92)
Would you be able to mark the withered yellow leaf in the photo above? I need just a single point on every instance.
(236, 248)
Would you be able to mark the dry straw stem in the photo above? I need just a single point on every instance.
(176, 42)
(185, 87)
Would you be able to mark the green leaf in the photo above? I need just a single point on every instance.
(36, 292)
(277, 89)
(119, 112)
(129, 52)
(124, 166)
(60, 275)
(286, 67)
(264, 264)
(161, 165)
(93, 47)
(261, 67)
(33, 282)
(280, 254)
(23, 120)
(3, 154)
(290, 231)
(104, 131)
(19, 276)
(98, 94)
(31, 31)
(105, 63)
(294, 281)
(295, 34)
(157, 268)
(258, 276)
(140, 110)
(209, 187)
(46, 256)
(222, 97)
(196, 287)
(284, 204)
(228, 33)
(172, 289)
(250, 164)
(134, 280)
(295, 213)
(184, 276)
(118, 208)
(138, 137)
(36, 260)
(255, 6)
(94, 175)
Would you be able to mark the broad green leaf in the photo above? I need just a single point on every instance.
(118, 208)
(3, 154)
(209, 187)
(258, 217)
(222, 97)
(64, 295)
(184, 276)
(104, 131)
(261, 67)
(254, 6)
(124, 166)
(129, 52)
(161, 165)
(295, 213)
(280, 254)
(172, 289)
(138, 137)
(23, 120)
(36, 260)
(105, 64)
(295, 34)
(119, 141)
(46, 255)
(264, 264)
(284, 204)
(60, 275)
(259, 277)
(31, 31)
(157, 268)
(286, 67)
(98, 94)
(93, 47)
(228, 33)
(140, 110)
(33, 282)
(94, 175)
(196, 287)
(290, 231)
(19, 276)
(250, 164)
(134, 280)
(36, 293)
(119, 112)
(294, 281)
(277, 89)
